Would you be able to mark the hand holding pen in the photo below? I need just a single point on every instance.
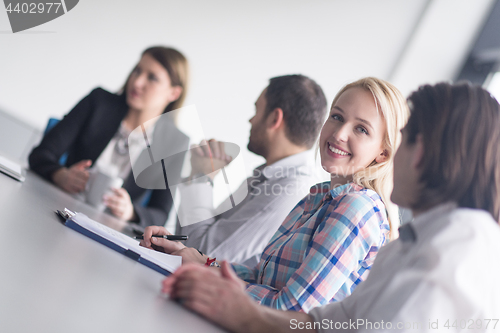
(169, 237)
(159, 239)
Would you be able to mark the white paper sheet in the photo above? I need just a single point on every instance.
(166, 261)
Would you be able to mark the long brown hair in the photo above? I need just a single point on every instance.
(460, 128)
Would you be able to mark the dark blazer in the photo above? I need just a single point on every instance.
(84, 133)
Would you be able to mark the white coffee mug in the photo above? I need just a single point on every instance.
(98, 185)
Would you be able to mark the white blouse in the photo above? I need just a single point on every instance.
(122, 151)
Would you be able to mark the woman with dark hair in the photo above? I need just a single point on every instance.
(441, 273)
(99, 132)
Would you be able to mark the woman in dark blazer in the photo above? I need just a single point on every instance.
(157, 85)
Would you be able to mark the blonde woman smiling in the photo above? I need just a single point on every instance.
(328, 242)
(441, 274)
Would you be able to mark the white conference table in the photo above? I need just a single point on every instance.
(53, 279)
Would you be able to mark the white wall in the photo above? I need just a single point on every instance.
(234, 47)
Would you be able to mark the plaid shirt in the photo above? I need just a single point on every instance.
(322, 251)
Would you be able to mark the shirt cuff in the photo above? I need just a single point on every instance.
(244, 272)
(196, 203)
(333, 318)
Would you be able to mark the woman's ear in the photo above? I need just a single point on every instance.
(382, 157)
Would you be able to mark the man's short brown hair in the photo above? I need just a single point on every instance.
(304, 107)
(460, 128)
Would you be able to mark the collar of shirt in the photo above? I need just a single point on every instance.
(324, 188)
(422, 225)
(137, 137)
(321, 193)
(297, 164)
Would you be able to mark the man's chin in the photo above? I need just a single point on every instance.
(254, 149)
(250, 148)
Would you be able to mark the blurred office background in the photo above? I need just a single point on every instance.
(234, 47)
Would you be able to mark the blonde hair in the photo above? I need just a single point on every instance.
(394, 109)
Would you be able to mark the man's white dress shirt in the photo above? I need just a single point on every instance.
(441, 275)
(240, 234)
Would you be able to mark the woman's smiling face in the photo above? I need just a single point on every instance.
(352, 137)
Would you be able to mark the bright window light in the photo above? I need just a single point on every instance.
(494, 86)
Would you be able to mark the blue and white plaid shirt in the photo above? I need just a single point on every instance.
(322, 251)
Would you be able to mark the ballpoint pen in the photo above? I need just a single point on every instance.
(169, 237)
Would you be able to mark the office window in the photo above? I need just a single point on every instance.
(494, 86)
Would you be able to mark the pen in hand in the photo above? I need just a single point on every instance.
(169, 237)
